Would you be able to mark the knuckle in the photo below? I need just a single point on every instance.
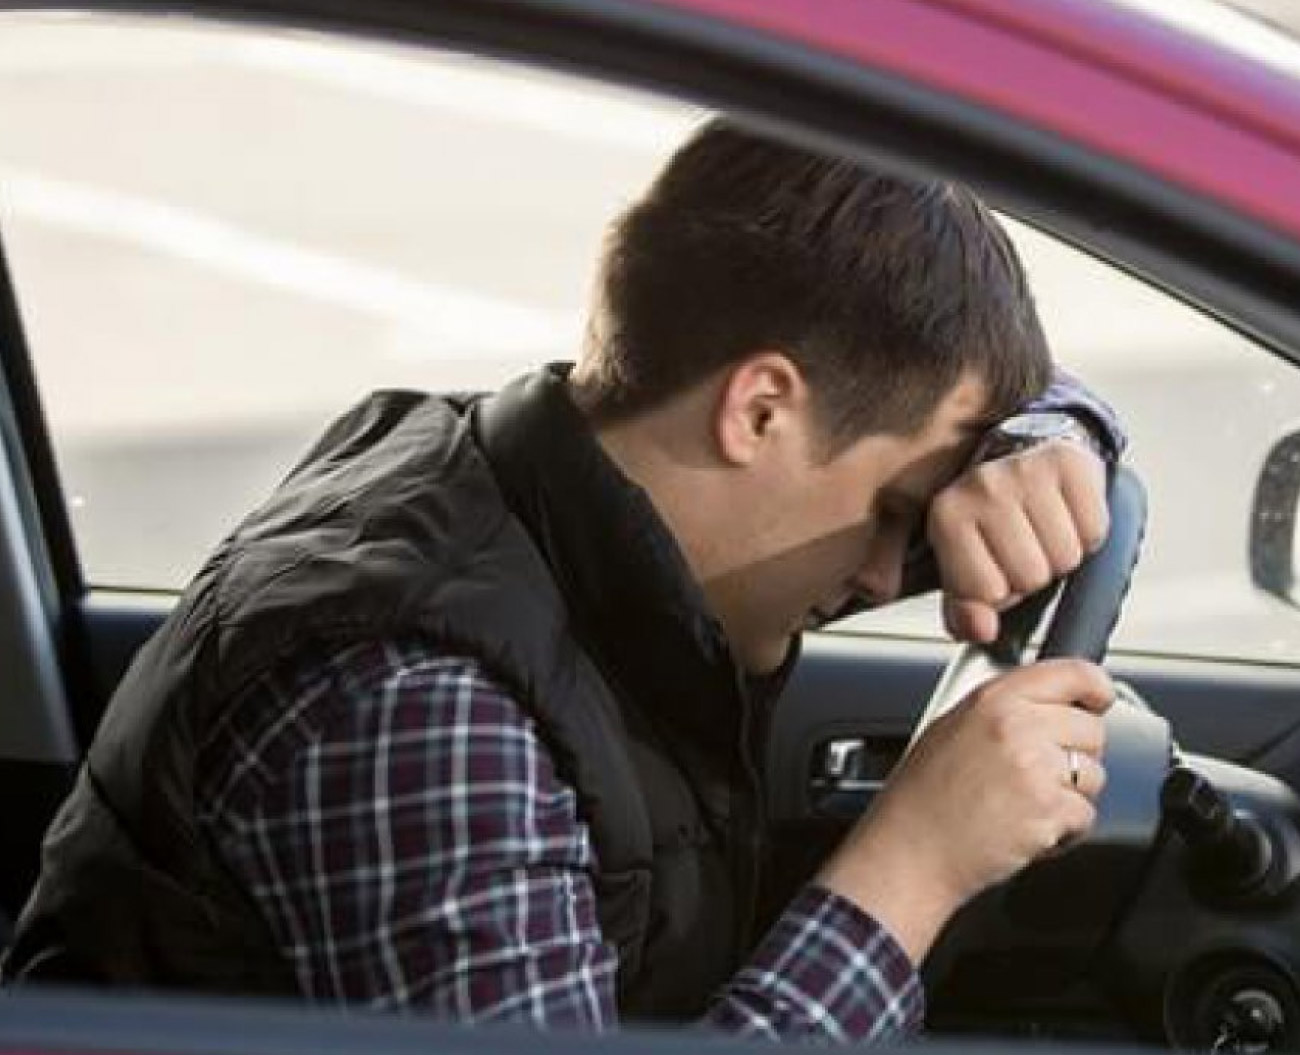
(948, 502)
(1101, 687)
(1096, 529)
(1093, 744)
(1067, 670)
(1074, 457)
(944, 516)
(991, 480)
(1067, 554)
(1003, 724)
(1031, 573)
(988, 584)
(1045, 836)
(1027, 762)
(1083, 669)
(991, 705)
(1039, 462)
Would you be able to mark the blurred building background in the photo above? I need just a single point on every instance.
(223, 235)
(1284, 13)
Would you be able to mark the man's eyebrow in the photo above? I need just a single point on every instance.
(971, 429)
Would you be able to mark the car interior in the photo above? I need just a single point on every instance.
(1176, 921)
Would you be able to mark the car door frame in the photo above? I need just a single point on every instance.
(75, 641)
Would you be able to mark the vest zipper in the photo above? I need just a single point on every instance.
(753, 846)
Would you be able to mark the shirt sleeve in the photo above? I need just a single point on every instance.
(826, 971)
(1068, 393)
(404, 833)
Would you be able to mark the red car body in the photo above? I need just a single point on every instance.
(1106, 76)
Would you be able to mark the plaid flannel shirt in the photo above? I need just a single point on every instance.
(397, 820)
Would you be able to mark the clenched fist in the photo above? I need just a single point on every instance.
(1006, 528)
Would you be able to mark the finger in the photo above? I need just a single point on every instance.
(1073, 727)
(966, 567)
(1083, 486)
(1077, 815)
(1042, 736)
(1058, 535)
(970, 620)
(1085, 777)
(1056, 681)
(1013, 544)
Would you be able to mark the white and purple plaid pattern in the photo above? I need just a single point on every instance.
(396, 818)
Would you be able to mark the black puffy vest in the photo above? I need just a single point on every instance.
(496, 527)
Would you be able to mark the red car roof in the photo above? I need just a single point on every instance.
(1098, 72)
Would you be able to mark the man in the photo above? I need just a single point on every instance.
(465, 718)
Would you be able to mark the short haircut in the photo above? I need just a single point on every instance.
(884, 291)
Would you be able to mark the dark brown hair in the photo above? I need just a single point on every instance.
(884, 291)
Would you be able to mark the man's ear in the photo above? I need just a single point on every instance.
(762, 399)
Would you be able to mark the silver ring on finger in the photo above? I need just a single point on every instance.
(1074, 762)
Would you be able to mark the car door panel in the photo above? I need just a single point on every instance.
(850, 688)
(872, 689)
(876, 688)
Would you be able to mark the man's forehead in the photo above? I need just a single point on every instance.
(961, 420)
(943, 448)
(975, 426)
(934, 466)
(966, 409)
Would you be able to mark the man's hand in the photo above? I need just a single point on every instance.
(989, 787)
(1006, 528)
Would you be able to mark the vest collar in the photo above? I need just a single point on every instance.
(634, 601)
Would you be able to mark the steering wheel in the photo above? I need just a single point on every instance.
(1075, 894)
(1166, 922)
(1089, 604)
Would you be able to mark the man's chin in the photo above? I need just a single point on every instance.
(768, 657)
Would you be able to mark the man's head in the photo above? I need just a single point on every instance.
(841, 319)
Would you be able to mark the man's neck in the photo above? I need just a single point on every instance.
(659, 453)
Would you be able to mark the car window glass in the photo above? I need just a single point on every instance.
(222, 236)
(1202, 407)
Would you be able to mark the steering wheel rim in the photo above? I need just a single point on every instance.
(1089, 605)
(1093, 597)
(1080, 890)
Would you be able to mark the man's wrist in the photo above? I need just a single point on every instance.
(1068, 394)
(893, 884)
(1033, 428)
